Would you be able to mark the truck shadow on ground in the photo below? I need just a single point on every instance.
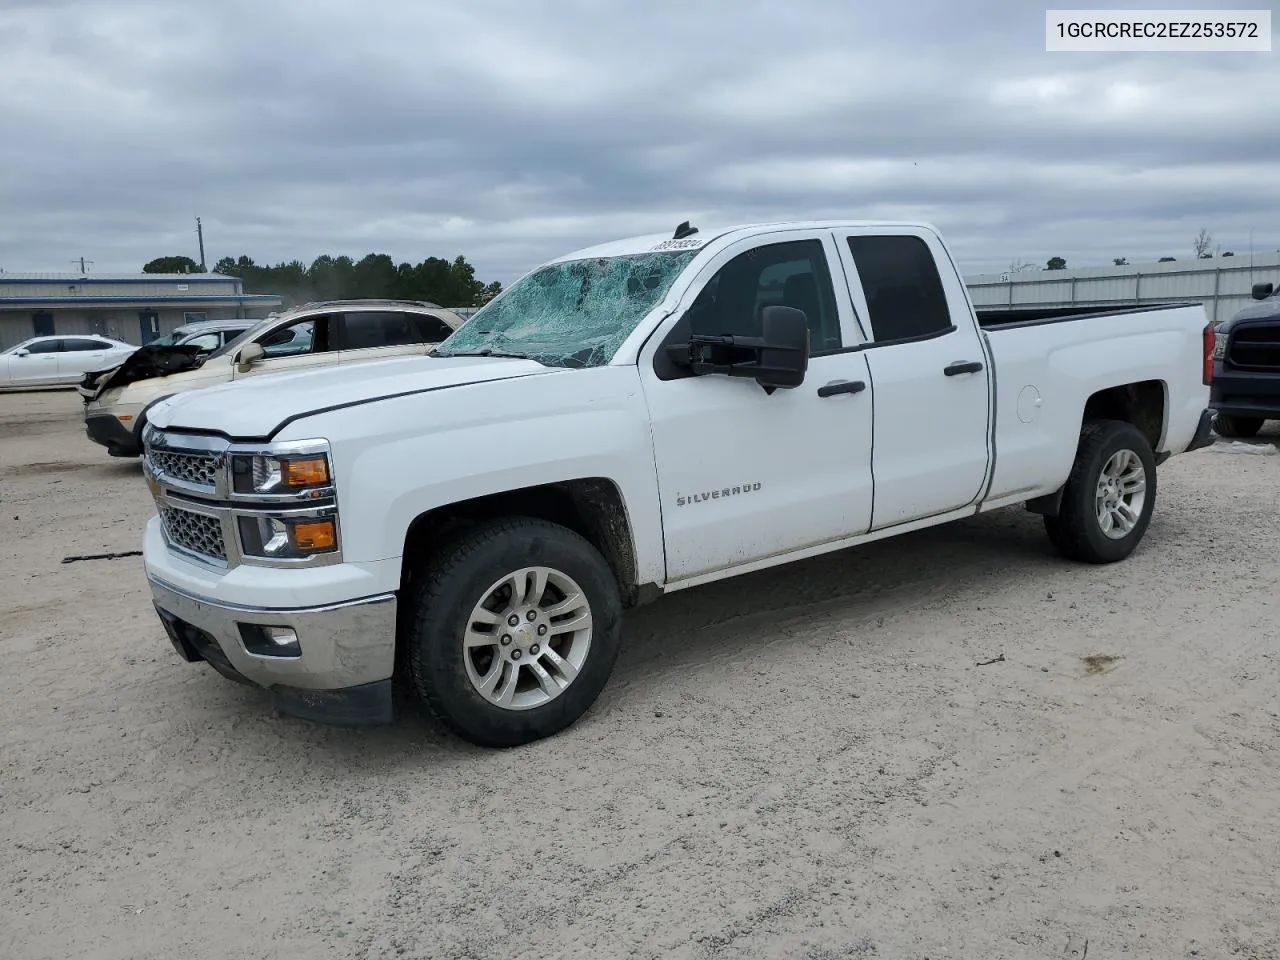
(692, 629)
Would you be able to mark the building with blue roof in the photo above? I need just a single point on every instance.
(134, 307)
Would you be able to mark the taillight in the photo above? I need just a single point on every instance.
(1210, 343)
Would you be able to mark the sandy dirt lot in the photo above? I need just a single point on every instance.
(800, 763)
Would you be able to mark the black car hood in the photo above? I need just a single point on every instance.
(1268, 309)
(143, 364)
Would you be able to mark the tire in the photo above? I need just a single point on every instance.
(1077, 532)
(1233, 427)
(476, 569)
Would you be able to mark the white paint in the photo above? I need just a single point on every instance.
(805, 474)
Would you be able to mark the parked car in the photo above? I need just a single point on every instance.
(631, 420)
(208, 335)
(1246, 373)
(58, 360)
(308, 337)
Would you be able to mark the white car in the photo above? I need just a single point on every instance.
(328, 334)
(59, 360)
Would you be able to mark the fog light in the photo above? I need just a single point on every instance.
(270, 641)
(281, 636)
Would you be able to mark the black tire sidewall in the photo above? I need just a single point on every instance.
(1233, 427)
(446, 598)
(1083, 514)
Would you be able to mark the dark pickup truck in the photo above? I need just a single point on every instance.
(1245, 392)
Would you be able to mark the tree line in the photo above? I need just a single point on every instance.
(450, 283)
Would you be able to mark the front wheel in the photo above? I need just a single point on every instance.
(1108, 499)
(513, 631)
(1237, 427)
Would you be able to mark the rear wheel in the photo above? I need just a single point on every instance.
(1237, 427)
(513, 632)
(1109, 496)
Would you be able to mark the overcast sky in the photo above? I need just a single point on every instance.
(511, 132)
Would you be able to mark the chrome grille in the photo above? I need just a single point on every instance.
(194, 532)
(200, 469)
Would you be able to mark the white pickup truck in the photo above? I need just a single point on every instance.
(626, 421)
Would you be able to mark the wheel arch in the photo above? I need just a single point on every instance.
(1143, 403)
(592, 507)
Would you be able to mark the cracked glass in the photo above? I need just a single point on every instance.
(571, 314)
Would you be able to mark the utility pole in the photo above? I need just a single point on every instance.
(82, 261)
(200, 234)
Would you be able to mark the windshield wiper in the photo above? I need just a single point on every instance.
(483, 352)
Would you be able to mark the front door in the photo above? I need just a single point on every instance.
(929, 372)
(745, 475)
(148, 326)
(296, 346)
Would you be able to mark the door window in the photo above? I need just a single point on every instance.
(904, 292)
(790, 274)
(298, 338)
(370, 329)
(45, 346)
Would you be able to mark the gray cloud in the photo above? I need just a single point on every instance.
(511, 132)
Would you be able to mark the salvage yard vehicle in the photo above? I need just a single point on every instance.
(631, 420)
(208, 335)
(1246, 373)
(58, 361)
(314, 335)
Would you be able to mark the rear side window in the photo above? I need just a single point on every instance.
(904, 291)
(366, 330)
(84, 346)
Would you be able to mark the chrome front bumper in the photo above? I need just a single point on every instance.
(339, 672)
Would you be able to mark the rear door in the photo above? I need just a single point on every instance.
(79, 355)
(378, 334)
(929, 372)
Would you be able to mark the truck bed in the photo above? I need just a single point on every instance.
(995, 318)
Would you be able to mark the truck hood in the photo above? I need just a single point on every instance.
(258, 407)
(1268, 309)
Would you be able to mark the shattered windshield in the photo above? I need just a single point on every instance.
(570, 314)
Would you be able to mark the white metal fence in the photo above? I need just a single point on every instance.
(1222, 284)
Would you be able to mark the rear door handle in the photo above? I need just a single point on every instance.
(962, 366)
(841, 386)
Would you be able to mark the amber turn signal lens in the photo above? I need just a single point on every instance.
(313, 535)
(304, 473)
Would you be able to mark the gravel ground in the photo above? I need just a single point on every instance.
(804, 762)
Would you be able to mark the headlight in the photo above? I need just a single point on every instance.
(288, 537)
(1219, 346)
(272, 474)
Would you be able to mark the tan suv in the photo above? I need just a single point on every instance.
(302, 338)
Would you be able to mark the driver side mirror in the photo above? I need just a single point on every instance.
(250, 354)
(779, 357)
(22, 353)
(1262, 290)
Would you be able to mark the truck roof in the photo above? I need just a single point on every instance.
(653, 242)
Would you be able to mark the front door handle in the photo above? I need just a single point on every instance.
(962, 366)
(841, 386)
